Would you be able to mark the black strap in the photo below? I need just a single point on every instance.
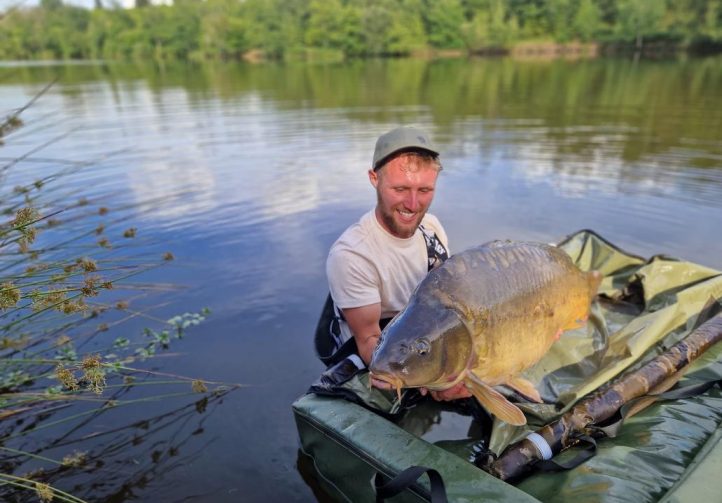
(405, 479)
(435, 249)
(327, 336)
(589, 449)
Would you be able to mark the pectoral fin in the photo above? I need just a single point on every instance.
(525, 388)
(495, 402)
(594, 278)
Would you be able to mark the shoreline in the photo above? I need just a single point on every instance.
(527, 51)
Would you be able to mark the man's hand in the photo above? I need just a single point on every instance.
(376, 383)
(454, 393)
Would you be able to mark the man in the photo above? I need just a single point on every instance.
(376, 264)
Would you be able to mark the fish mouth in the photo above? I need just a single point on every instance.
(394, 381)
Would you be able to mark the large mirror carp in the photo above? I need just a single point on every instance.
(483, 317)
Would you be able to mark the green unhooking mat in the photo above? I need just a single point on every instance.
(669, 451)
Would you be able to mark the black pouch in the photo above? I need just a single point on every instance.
(327, 338)
(349, 379)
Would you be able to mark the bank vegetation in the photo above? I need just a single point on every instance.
(338, 29)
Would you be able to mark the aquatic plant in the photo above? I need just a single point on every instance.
(66, 354)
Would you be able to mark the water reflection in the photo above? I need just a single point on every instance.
(258, 168)
(107, 456)
(167, 178)
(588, 125)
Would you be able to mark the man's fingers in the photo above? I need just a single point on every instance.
(380, 384)
(453, 393)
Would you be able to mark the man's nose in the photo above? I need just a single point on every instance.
(412, 201)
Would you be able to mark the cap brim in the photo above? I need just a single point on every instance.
(402, 150)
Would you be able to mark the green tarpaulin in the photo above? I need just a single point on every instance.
(668, 451)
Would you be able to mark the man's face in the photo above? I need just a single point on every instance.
(404, 187)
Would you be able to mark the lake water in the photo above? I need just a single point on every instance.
(248, 173)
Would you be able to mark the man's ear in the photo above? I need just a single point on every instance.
(374, 178)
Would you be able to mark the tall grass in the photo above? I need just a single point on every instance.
(69, 275)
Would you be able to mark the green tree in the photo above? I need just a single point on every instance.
(106, 35)
(376, 21)
(531, 16)
(325, 24)
(491, 27)
(558, 19)
(586, 21)
(231, 28)
(443, 20)
(406, 32)
(694, 21)
(639, 19)
(711, 25)
(51, 4)
(223, 31)
(273, 25)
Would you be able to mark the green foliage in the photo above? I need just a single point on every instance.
(639, 19)
(587, 21)
(324, 29)
(223, 32)
(332, 25)
(405, 32)
(273, 25)
(443, 20)
(490, 28)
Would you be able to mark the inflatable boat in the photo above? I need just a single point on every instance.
(669, 451)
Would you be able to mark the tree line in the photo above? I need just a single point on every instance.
(308, 29)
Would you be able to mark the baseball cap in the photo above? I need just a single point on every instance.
(402, 139)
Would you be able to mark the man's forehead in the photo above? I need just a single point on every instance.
(410, 162)
(403, 174)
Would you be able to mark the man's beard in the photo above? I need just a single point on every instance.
(393, 226)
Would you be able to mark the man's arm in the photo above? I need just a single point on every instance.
(364, 324)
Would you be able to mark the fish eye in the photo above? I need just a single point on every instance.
(422, 346)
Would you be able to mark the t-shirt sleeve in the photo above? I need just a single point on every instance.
(352, 280)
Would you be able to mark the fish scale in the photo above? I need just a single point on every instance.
(483, 317)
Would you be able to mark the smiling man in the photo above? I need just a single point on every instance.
(376, 264)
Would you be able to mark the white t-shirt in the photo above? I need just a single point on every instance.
(367, 265)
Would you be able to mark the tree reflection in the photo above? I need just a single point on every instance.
(107, 463)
